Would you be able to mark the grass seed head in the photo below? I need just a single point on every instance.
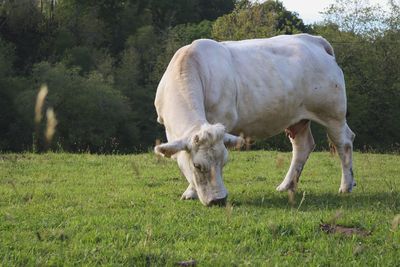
(51, 125)
(41, 96)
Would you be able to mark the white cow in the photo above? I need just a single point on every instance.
(213, 91)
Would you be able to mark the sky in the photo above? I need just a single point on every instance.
(308, 10)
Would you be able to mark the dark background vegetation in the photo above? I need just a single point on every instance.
(102, 61)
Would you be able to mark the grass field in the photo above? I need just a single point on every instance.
(68, 209)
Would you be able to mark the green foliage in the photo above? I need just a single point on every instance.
(171, 13)
(64, 209)
(10, 86)
(7, 58)
(257, 21)
(22, 21)
(81, 57)
(6, 93)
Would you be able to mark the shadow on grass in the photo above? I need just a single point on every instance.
(318, 201)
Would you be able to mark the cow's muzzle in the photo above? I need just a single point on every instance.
(218, 202)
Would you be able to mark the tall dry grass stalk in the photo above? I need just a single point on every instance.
(248, 143)
(51, 126)
(279, 161)
(396, 222)
(158, 142)
(41, 96)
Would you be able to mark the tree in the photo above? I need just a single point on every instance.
(356, 16)
(257, 21)
(7, 109)
(22, 25)
(393, 18)
(167, 13)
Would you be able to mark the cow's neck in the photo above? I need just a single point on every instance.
(187, 122)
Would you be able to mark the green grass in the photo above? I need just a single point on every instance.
(67, 209)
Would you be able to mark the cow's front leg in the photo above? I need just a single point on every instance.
(190, 193)
(183, 163)
(302, 143)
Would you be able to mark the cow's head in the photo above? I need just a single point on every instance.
(206, 155)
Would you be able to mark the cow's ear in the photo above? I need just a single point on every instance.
(170, 148)
(233, 141)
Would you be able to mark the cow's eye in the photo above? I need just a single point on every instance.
(197, 166)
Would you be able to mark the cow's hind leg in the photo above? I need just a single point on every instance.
(343, 138)
(303, 143)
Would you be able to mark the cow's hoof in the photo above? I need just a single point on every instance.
(283, 187)
(345, 189)
(189, 194)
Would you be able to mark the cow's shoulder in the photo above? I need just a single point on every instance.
(190, 54)
(203, 49)
(200, 45)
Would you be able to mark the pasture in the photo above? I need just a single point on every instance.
(124, 210)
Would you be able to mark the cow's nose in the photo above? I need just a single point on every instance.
(219, 201)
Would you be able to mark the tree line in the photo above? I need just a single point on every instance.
(102, 61)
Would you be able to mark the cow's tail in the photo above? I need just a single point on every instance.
(327, 46)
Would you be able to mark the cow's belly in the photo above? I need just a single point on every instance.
(267, 123)
(268, 110)
(258, 117)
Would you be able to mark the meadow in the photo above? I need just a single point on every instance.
(60, 209)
